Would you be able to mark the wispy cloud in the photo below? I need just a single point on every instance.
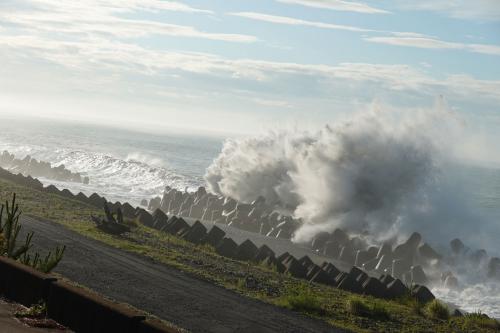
(102, 18)
(340, 5)
(98, 55)
(99, 6)
(486, 10)
(273, 103)
(433, 43)
(294, 21)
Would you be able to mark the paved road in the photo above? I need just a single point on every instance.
(182, 299)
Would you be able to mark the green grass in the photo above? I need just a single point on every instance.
(416, 307)
(375, 310)
(438, 310)
(478, 319)
(357, 307)
(303, 300)
(319, 301)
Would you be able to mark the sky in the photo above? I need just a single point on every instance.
(241, 66)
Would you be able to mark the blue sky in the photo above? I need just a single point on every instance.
(240, 66)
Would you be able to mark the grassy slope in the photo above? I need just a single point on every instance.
(326, 303)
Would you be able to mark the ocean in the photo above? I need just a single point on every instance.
(122, 165)
(125, 165)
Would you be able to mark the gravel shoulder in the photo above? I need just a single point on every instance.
(166, 292)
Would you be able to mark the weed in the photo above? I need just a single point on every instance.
(36, 311)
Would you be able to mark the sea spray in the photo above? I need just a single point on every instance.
(370, 173)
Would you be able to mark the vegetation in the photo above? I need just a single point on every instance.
(438, 310)
(319, 301)
(36, 311)
(478, 319)
(358, 307)
(302, 300)
(413, 303)
(9, 231)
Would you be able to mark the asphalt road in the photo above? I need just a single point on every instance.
(168, 293)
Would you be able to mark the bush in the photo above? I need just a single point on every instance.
(438, 310)
(303, 301)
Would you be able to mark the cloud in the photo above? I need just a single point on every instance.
(99, 17)
(99, 6)
(297, 22)
(485, 10)
(433, 43)
(118, 58)
(408, 34)
(274, 103)
(337, 5)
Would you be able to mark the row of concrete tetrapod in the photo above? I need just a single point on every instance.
(337, 245)
(356, 280)
(302, 268)
(403, 261)
(407, 261)
(73, 307)
(257, 216)
(35, 168)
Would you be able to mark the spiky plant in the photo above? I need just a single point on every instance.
(45, 264)
(9, 231)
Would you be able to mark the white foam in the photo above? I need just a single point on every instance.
(118, 179)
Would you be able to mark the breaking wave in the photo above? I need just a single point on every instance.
(379, 173)
(133, 178)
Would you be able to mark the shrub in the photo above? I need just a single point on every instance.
(438, 310)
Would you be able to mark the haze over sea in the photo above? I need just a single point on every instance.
(125, 165)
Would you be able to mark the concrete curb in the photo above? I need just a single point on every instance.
(73, 307)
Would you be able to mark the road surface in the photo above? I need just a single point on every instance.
(166, 292)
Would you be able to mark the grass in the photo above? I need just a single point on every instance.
(315, 300)
(357, 307)
(303, 300)
(416, 307)
(478, 319)
(375, 310)
(437, 310)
